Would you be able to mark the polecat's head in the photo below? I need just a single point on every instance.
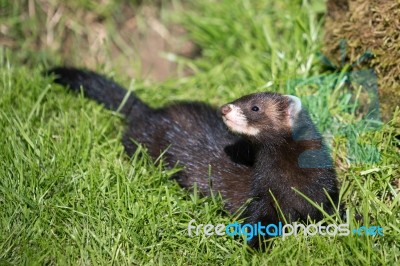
(262, 116)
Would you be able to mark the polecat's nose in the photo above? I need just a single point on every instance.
(225, 109)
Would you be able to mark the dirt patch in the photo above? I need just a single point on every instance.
(154, 42)
(130, 37)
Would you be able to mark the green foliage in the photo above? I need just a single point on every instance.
(70, 195)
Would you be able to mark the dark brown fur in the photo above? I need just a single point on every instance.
(290, 154)
(240, 167)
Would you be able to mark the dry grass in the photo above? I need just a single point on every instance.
(130, 37)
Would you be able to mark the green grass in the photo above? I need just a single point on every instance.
(70, 195)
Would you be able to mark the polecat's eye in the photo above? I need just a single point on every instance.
(255, 108)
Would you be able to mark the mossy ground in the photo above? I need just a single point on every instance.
(368, 26)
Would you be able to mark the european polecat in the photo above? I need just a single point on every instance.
(289, 154)
(259, 148)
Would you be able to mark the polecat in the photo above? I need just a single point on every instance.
(259, 148)
(289, 154)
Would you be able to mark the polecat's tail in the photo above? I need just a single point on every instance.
(99, 88)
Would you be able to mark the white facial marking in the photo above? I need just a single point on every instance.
(294, 108)
(237, 122)
(294, 105)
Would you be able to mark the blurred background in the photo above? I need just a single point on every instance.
(136, 38)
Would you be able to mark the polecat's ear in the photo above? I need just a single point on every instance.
(294, 106)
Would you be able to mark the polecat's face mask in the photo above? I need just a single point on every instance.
(262, 115)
